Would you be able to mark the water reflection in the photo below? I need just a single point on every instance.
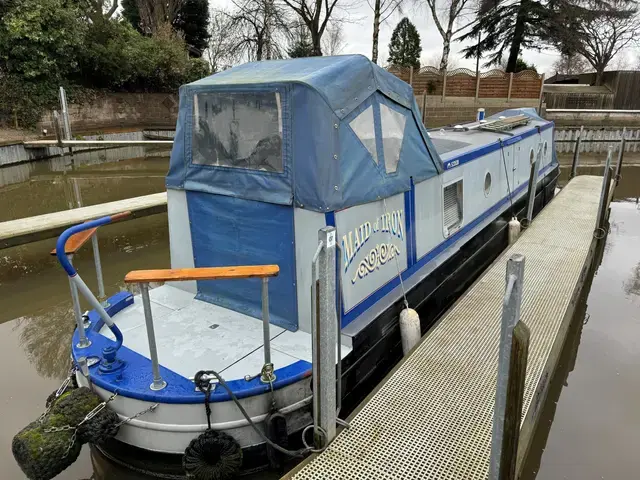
(45, 339)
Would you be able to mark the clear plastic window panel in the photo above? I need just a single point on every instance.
(240, 130)
(393, 123)
(363, 127)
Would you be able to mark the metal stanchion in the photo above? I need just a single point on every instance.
(324, 329)
(267, 370)
(158, 382)
(83, 342)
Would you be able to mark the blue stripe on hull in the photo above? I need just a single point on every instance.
(368, 302)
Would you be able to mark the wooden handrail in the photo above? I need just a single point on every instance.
(206, 273)
(76, 241)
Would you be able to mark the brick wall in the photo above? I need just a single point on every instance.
(114, 110)
(462, 82)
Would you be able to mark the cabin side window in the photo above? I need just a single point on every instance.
(452, 207)
(393, 123)
(364, 129)
(239, 130)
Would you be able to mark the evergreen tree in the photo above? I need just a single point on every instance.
(131, 13)
(302, 46)
(508, 26)
(404, 48)
(193, 21)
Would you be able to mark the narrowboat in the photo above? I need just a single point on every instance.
(266, 154)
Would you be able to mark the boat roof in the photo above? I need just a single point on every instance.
(343, 80)
(457, 144)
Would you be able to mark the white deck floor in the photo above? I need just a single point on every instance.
(193, 335)
(432, 418)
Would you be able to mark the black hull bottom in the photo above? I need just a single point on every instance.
(376, 349)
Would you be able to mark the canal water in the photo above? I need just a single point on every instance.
(590, 428)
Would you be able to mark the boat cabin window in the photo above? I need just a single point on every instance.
(240, 130)
(364, 128)
(393, 123)
(452, 207)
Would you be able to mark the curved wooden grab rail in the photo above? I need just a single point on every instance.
(205, 273)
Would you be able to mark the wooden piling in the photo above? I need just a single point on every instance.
(515, 395)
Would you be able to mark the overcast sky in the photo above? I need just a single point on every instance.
(359, 31)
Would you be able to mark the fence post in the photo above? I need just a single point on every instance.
(576, 154)
(541, 93)
(477, 85)
(510, 379)
(510, 85)
(424, 106)
(325, 332)
(444, 83)
(623, 142)
(411, 76)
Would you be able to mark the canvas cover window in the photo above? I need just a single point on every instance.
(363, 127)
(393, 123)
(240, 130)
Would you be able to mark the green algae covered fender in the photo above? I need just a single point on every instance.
(49, 445)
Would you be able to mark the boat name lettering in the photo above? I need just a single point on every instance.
(353, 241)
(453, 163)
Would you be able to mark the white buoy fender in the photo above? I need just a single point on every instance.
(409, 329)
(514, 230)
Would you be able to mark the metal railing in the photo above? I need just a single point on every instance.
(77, 285)
(143, 277)
(596, 140)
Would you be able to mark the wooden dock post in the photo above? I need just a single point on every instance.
(513, 405)
(576, 154)
(512, 358)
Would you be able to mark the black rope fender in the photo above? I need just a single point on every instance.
(212, 455)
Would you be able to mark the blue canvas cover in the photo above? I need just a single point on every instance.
(299, 112)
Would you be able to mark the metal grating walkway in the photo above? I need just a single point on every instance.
(432, 419)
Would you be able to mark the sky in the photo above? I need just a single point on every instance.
(358, 33)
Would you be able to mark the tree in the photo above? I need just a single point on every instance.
(315, 14)
(506, 26)
(404, 48)
(301, 45)
(570, 64)
(100, 10)
(382, 10)
(445, 17)
(131, 14)
(192, 20)
(40, 38)
(153, 14)
(596, 29)
(262, 29)
(333, 41)
(220, 52)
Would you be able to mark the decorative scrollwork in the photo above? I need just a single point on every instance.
(378, 256)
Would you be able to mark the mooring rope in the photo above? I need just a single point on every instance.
(504, 162)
